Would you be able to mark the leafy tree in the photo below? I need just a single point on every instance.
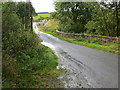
(93, 17)
(75, 14)
(15, 41)
(25, 11)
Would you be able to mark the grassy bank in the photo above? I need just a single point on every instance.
(92, 42)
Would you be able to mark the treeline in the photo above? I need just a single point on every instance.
(22, 53)
(89, 17)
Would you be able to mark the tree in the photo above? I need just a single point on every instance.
(110, 14)
(93, 17)
(72, 15)
(15, 41)
(105, 19)
(25, 11)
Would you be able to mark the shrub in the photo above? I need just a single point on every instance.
(22, 53)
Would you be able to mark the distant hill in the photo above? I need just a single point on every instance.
(42, 12)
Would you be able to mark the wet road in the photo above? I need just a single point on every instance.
(87, 67)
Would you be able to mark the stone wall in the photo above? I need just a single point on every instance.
(73, 35)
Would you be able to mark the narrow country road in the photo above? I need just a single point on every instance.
(87, 67)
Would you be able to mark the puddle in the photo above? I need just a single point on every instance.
(48, 45)
(76, 75)
(73, 78)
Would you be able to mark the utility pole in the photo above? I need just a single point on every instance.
(25, 17)
(30, 15)
(31, 26)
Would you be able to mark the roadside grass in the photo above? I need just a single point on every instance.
(31, 59)
(92, 42)
(51, 25)
(49, 80)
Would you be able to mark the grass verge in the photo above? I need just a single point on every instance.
(26, 60)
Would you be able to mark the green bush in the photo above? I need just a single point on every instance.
(23, 57)
(79, 39)
(22, 53)
(97, 41)
(16, 41)
(71, 27)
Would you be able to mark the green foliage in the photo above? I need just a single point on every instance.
(91, 25)
(22, 52)
(25, 11)
(71, 27)
(72, 16)
(91, 40)
(18, 68)
(11, 16)
(103, 20)
(94, 28)
(92, 18)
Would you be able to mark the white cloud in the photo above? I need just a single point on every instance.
(41, 5)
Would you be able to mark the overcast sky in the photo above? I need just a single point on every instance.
(42, 5)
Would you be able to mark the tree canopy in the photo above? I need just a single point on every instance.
(88, 17)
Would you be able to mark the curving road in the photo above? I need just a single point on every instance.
(91, 67)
